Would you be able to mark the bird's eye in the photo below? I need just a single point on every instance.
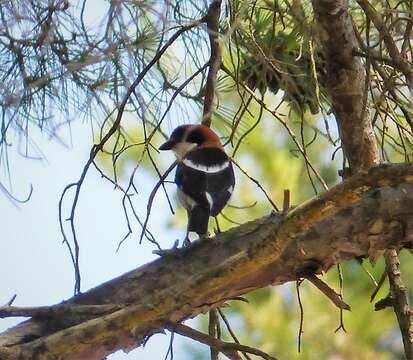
(196, 137)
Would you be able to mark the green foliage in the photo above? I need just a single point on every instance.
(271, 319)
(269, 152)
(273, 113)
(281, 54)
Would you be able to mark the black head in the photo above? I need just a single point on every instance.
(177, 136)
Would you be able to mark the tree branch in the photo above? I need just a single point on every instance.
(400, 301)
(99, 147)
(401, 63)
(228, 349)
(64, 310)
(212, 20)
(329, 292)
(346, 80)
(363, 216)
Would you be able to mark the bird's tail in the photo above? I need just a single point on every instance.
(198, 218)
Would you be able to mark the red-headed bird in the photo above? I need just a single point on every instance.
(204, 176)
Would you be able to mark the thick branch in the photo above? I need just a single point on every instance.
(348, 91)
(360, 217)
(212, 19)
(346, 79)
(329, 292)
(399, 301)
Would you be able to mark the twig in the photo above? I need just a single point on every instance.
(388, 81)
(99, 147)
(256, 182)
(148, 138)
(284, 124)
(369, 274)
(127, 197)
(238, 116)
(231, 332)
(152, 196)
(329, 292)
(228, 349)
(239, 207)
(340, 277)
(161, 178)
(161, 182)
(213, 327)
(14, 198)
(384, 303)
(64, 310)
(229, 219)
(11, 301)
(66, 241)
(304, 147)
(177, 92)
(170, 347)
(300, 304)
(286, 201)
(402, 64)
(400, 301)
(379, 285)
(246, 133)
(212, 20)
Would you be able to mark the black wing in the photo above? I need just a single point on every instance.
(220, 187)
(192, 183)
(206, 175)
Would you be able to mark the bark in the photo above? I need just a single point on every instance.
(399, 300)
(348, 92)
(346, 80)
(214, 12)
(362, 216)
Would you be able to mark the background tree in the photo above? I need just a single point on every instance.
(298, 91)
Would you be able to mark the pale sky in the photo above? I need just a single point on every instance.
(35, 264)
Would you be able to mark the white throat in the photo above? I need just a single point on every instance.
(182, 148)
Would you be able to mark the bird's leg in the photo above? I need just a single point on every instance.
(195, 236)
(186, 241)
(218, 229)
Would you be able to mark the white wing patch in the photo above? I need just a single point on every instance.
(208, 169)
(230, 189)
(209, 198)
(186, 201)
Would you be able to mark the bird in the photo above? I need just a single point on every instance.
(204, 175)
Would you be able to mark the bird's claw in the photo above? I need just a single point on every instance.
(186, 242)
(206, 236)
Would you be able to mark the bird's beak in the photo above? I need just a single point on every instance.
(168, 145)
